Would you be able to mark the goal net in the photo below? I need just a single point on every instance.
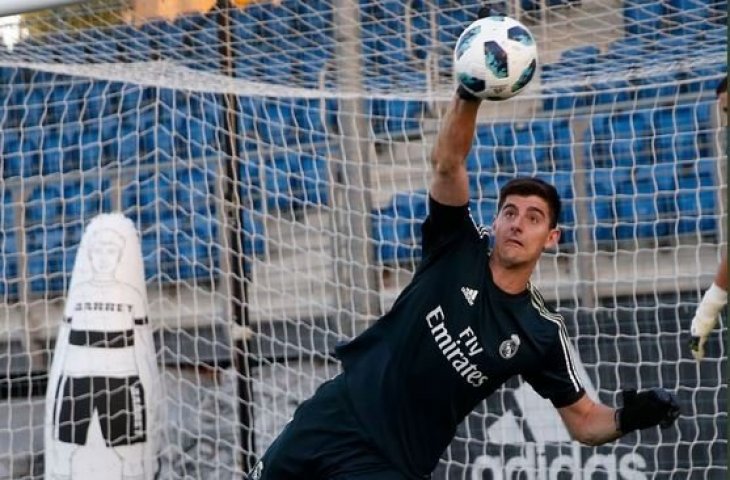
(274, 159)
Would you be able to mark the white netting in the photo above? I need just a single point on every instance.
(279, 192)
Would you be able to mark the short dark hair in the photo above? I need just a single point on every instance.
(526, 186)
(722, 86)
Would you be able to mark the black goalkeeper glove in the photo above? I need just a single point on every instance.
(647, 409)
(463, 93)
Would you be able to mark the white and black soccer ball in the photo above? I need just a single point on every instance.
(495, 58)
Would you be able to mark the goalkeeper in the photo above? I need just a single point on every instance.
(468, 321)
(715, 298)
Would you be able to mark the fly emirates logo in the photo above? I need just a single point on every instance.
(457, 350)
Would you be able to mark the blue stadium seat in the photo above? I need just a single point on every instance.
(30, 139)
(90, 150)
(276, 122)
(611, 92)
(531, 5)
(643, 17)
(133, 44)
(44, 204)
(9, 255)
(101, 46)
(560, 139)
(194, 188)
(581, 60)
(396, 227)
(249, 173)
(402, 116)
(84, 200)
(35, 106)
(51, 151)
(277, 173)
(254, 233)
(310, 179)
(19, 157)
(147, 200)
(451, 18)
(482, 160)
(308, 117)
(46, 272)
(8, 265)
(167, 40)
(201, 40)
(687, 16)
(565, 98)
(420, 29)
(672, 49)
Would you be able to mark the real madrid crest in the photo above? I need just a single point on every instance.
(509, 347)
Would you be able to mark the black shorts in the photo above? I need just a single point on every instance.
(324, 441)
(119, 403)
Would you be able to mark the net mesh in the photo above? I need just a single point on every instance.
(274, 158)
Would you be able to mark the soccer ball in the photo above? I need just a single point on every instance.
(495, 58)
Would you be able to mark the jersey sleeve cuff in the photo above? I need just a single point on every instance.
(569, 399)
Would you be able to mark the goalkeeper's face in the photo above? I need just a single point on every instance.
(522, 231)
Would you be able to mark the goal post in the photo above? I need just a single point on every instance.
(275, 161)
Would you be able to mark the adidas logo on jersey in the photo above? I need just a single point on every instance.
(470, 294)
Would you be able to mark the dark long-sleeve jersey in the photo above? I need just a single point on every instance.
(451, 338)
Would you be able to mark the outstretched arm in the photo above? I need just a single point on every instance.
(590, 422)
(593, 424)
(450, 184)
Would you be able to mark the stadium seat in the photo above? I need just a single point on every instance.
(167, 40)
(276, 121)
(565, 98)
(531, 5)
(44, 204)
(396, 227)
(686, 17)
(402, 116)
(194, 188)
(133, 45)
(35, 106)
(90, 151)
(581, 60)
(560, 140)
(9, 254)
(101, 46)
(8, 265)
(51, 151)
(84, 200)
(611, 92)
(254, 233)
(308, 120)
(643, 18)
(250, 175)
(16, 161)
(310, 179)
(420, 29)
(277, 172)
(201, 40)
(481, 167)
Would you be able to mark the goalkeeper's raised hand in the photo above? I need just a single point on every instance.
(483, 12)
(646, 409)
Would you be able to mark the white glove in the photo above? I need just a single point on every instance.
(705, 319)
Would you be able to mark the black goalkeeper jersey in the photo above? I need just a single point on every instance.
(451, 339)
